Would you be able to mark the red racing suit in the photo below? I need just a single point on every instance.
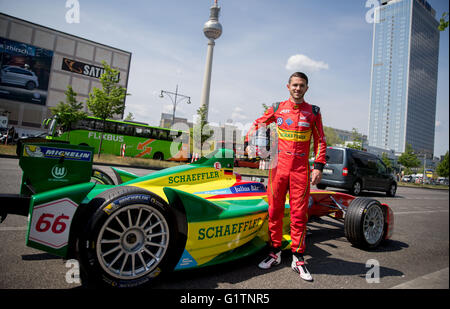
(296, 124)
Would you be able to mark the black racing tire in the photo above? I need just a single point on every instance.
(100, 177)
(321, 186)
(356, 188)
(364, 223)
(392, 190)
(129, 240)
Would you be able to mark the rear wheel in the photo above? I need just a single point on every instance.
(128, 241)
(364, 223)
(100, 177)
(356, 188)
(158, 156)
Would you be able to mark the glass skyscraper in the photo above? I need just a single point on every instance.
(404, 76)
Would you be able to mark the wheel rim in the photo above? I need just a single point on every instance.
(357, 188)
(373, 224)
(132, 242)
(393, 189)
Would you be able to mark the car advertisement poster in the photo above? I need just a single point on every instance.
(25, 72)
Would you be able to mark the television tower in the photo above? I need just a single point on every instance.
(212, 30)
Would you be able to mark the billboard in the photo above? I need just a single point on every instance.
(82, 68)
(25, 72)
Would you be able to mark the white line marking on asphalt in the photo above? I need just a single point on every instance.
(419, 212)
(13, 228)
(436, 280)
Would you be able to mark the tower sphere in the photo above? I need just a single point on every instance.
(212, 29)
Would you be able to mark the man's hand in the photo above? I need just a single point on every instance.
(316, 176)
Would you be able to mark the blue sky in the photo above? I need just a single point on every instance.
(263, 42)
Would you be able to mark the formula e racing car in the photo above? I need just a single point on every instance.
(128, 231)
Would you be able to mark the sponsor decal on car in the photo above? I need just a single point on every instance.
(222, 230)
(54, 153)
(179, 179)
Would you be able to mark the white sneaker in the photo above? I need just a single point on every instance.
(272, 259)
(300, 267)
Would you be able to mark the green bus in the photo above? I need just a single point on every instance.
(123, 138)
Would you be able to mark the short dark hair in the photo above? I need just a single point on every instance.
(300, 75)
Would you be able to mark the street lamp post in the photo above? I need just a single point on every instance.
(212, 30)
(174, 97)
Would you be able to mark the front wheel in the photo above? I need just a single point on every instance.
(321, 186)
(392, 190)
(364, 223)
(128, 241)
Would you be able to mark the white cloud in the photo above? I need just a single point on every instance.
(438, 123)
(237, 114)
(304, 63)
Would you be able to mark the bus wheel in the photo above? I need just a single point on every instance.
(100, 177)
(158, 156)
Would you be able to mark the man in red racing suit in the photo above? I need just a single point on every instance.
(297, 121)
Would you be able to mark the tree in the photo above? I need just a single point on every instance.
(129, 117)
(331, 136)
(385, 159)
(201, 131)
(443, 24)
(357, 140)
(108, 101)
(408, 159)
(70, 111)
(442, 168)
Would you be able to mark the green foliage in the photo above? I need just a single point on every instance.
(201, 132)
(70, 111)
(386, 161)
(442, 168)
(108, 101)
(443, 24)
(129, 117)
(408, 159)
(331, 136)
(357, 140)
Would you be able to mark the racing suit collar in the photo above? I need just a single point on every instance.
(297, 105)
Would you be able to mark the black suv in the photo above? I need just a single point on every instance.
(355, 171)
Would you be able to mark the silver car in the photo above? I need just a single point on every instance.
(15, 75)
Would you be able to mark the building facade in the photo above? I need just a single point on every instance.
(38, 63)
(404, 76)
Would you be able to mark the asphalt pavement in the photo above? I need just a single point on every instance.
(417, 256)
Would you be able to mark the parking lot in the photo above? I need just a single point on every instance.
(416, 257)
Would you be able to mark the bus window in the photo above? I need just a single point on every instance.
(130, 130)
(163, 135)
(125, 129)
(110, 127)
(154, 133)
(121, 128)
(84, 124)
(99, 125)
(148, 132)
